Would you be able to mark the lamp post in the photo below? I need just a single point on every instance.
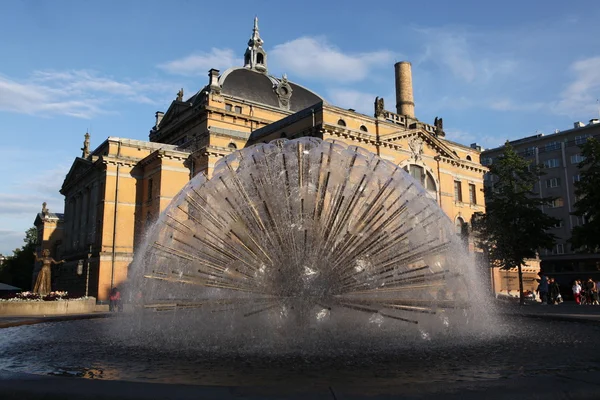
(87, 272)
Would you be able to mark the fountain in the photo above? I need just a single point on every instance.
(309, 265)
(297, 233)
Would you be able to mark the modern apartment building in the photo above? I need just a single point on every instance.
(560, 154)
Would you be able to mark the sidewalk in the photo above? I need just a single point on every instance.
(568, 311)
(565, 386)
(10, 321)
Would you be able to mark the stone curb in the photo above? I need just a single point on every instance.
(13, 321)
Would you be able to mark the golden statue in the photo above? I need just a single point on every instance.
(43, 281)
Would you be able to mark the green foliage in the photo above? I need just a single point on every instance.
(17, 270)
(514, 226)
(587, 190)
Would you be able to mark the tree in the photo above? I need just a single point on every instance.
(514, 226)
(17, 270)
(587, 190)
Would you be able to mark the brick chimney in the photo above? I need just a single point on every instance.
(405, 103)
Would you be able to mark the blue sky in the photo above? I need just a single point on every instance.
(492, 70)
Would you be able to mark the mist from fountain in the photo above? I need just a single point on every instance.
(306, 244)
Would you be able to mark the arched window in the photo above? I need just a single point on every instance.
(469, 158)
(232, 146)
(423, 177)
(364, 128)
(458, 225)
(260, 59)
(341, 122)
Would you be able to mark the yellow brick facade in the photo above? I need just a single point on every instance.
(114, 193)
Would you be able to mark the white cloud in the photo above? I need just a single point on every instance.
(25, 197)
(76, 93)
(455, 50)
(581, 95)
(466, 138)
(506, 104)
(315, 58)
(357, 100)
(200, 63)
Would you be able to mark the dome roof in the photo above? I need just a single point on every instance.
(258, 87)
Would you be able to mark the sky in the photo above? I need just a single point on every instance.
(492, 70)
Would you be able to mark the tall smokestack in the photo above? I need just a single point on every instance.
(405, 103)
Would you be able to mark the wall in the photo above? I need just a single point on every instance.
(44, 308)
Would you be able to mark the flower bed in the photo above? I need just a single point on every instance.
(54, 303)
(31, 296)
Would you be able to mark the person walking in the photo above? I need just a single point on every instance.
(114, 298)
(554, 292)
(577, 292)
(592, 290)
(543, 290)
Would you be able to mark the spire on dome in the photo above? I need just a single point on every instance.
(255, 56)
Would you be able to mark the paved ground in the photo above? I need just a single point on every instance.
(10, 321)
(579, 385)
(565, 311)
(567, 386)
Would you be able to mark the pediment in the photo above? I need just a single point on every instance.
(175, 109)
(413, 139)
(79, 168)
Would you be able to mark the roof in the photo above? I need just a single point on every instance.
(540, 137)
(48, 216)
(258, 87)
(5, 287)
(290, 119)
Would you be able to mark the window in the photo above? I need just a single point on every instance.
(552, 163)
(417, 173)
(459, 226)
(472, 194)
(577, 158)
(430, 183)
(341, 122)
(232, 146)
(553, 146)
(228, 107)
(530, 151)
(580, 220)
(558, 249)
(576, 178)
(558, 202)
(364, 128)
(238, 109)
(581, 139)
(457, 191)
(423, 177)
(486, 161)
(469, 158)
(150, 189)
(552, 182)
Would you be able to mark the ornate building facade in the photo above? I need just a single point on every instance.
(113, 193)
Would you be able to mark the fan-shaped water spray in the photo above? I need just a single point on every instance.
(303, 230)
